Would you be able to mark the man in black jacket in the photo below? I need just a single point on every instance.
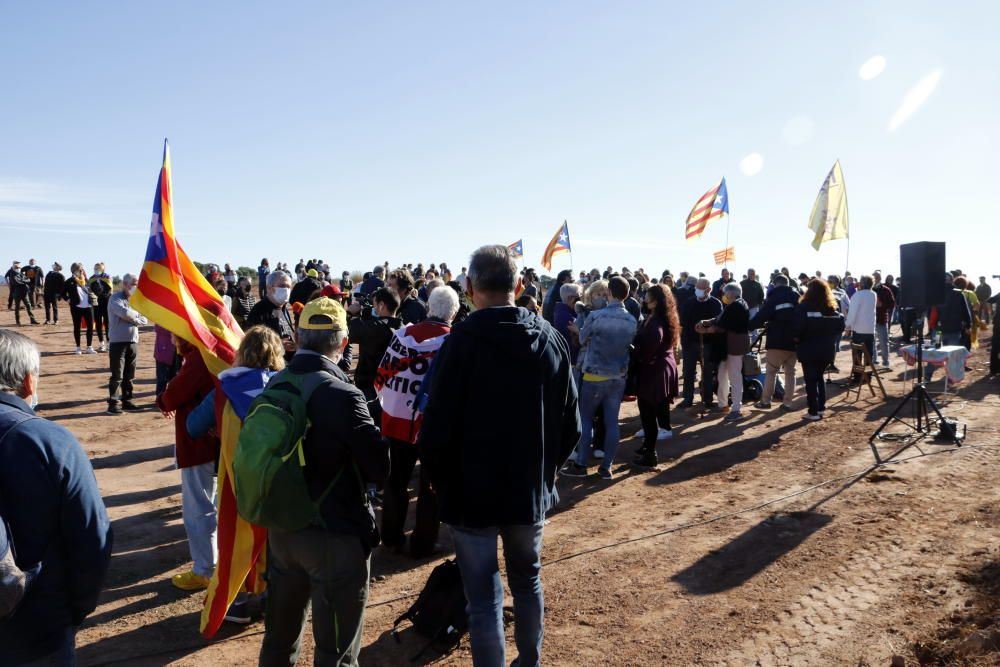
(702, 306)
(411, 309)
(59, 526)
(753, 292)
(778, 313)
(273, 312)
(372, 332)
(329, 565)
(495, 473)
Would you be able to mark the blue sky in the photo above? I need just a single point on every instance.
(417, 131)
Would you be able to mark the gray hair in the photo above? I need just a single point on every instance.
(492, 269)
(19, 358)
(277, 275)
(691, 280)
(128, 279)
(704, 283)
(322, 341)
(569, 290)
(433, 285)
(733, 288)
(442, 304)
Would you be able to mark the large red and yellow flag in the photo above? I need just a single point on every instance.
(174, 294)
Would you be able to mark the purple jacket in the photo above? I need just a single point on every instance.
(562, 317)
(657, 366)
(164, 351)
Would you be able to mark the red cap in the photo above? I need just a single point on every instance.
(331, 290)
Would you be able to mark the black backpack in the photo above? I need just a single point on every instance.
(439, 611)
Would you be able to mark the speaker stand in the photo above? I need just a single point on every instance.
(923, 405)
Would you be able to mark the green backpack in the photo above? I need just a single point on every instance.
(269, 463)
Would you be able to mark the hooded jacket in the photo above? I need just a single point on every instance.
(501, 418)
(778, 313)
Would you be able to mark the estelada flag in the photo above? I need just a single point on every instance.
(173, 293)
(557, 246)
(723, 256)
(242, 555)
(711, 206)
(517, 248)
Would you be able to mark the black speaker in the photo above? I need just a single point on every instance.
(921, 269)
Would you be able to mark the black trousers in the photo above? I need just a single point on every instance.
(689, 363)
(87, 315)
(22, 300)
(653, 416)
(812, 373)
(396, 502)
(995, 347)
(329, 570)
(101, 321)
(51, 308)
(123, 356)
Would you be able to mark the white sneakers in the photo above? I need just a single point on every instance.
(91, 350)
(78, 351)
(661, 434)
(102, 348)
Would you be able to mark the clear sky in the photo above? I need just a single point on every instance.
(364, 132)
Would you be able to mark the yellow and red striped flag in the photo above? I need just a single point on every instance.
(711, 206)
(174, 294)
(723, 256)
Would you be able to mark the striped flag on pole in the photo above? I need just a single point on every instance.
(723, 256)
(517, 249)
(557, 246)
(711, 206)
(173, 293)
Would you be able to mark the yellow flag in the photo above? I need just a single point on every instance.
(829, 214)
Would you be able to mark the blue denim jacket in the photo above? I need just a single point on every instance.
(605, 337)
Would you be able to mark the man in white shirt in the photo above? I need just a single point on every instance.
(861, 315)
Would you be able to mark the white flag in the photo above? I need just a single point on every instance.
(828, 219)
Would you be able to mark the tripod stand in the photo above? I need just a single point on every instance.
(922, 403)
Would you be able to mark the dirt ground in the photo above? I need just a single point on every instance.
(682, 565)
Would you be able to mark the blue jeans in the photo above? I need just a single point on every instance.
(64, 656)
(476, 550)
(882, 330)
(606, 396)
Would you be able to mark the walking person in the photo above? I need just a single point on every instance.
(19, 292)
(123, 338)
(55, 516)
(15, 269)
(499, 482)
(81, 305)
(328, 566)
(819, 325)
(100, 286)
(35, 276)
(196, 458)
(657, 369)
(55, 284)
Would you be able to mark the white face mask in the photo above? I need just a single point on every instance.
(599, 302)
(700, 293)
(280, 295)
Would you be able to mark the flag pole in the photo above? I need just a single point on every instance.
(725, 250)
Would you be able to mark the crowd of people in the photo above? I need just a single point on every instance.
(411, 364)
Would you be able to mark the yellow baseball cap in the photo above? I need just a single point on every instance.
(312, 273)
(332, 314)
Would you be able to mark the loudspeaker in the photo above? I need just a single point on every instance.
(921, 267)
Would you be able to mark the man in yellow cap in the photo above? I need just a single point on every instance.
(344, 452)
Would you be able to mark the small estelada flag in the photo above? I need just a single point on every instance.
(517, 248)
(557, 246)
(711, 206)
(723, 256)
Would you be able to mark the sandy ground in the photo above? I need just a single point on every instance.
(682, 565)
